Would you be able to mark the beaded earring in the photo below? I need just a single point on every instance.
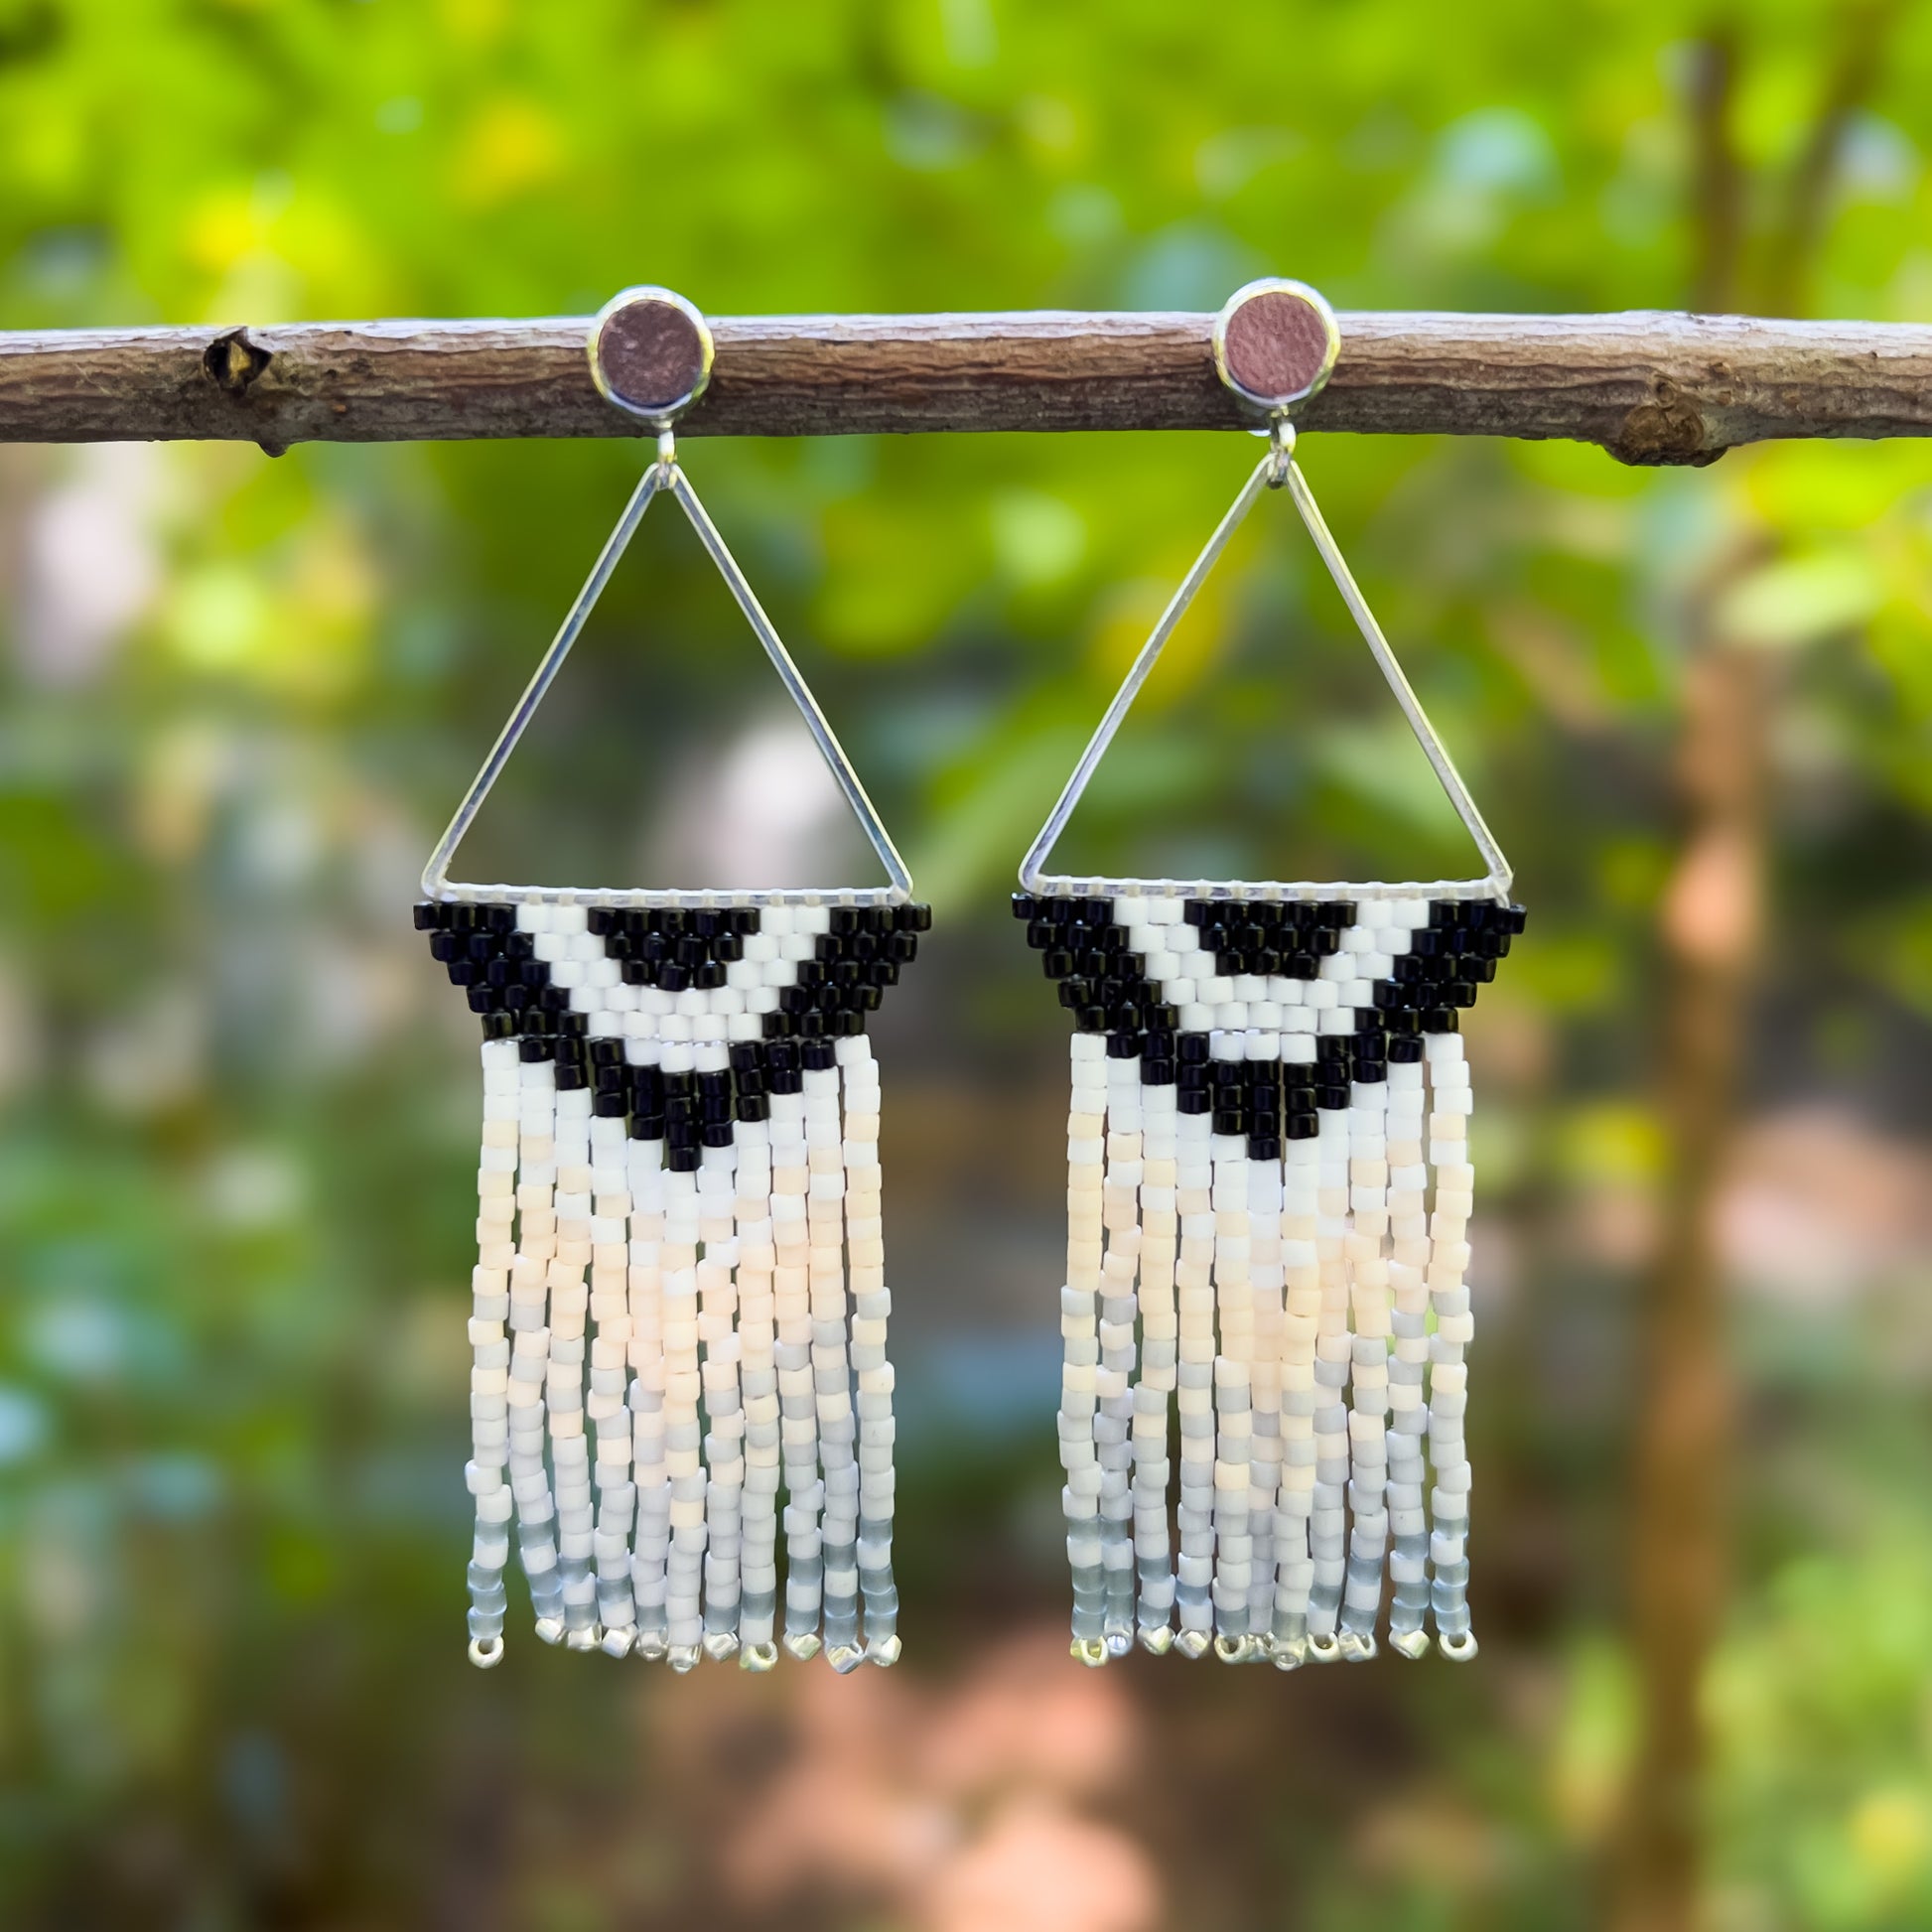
(1267, 1192)
(678, 1215)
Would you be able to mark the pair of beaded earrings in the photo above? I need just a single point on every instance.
(680, 1302)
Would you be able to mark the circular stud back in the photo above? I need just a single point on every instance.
(651, 354)
(1275, 342)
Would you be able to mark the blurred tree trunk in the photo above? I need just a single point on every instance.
(1710, 931)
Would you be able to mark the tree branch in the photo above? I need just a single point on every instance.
(1652, 388)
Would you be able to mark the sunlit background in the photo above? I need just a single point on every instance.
(242, 694)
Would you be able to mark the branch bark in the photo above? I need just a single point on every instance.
(1652, 388)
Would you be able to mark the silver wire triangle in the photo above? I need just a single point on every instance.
(667, 476)
(1277, 467)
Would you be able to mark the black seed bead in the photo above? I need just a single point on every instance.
(533, 1048)
(1024, 905)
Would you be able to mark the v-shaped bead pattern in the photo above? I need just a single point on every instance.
(680, 1263)
(1268, 1195)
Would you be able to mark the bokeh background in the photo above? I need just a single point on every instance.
(241, 694)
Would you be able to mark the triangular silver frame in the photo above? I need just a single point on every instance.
(667, 476)
(1276, 468)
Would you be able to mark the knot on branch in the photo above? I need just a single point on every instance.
(1667, 431)
(232, 363)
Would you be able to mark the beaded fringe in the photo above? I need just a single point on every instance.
(706, 1359)
(674, 1319)
(1275, 1249)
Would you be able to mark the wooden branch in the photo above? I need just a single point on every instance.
(1649, 387)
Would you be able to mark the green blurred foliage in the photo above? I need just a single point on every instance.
(240, 693)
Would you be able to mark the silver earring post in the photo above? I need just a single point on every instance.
(651, 354)
(1274, 344)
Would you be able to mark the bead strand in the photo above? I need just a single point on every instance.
(1264, 1449)
(831, 1368)
(1368, 1476)
(491, 1353)
(872, 1374)
(652, 1547)
(723, 1409)
(607, 1406)
(758, 1381)
(1194, 1389)
(1303, 1299)
(564, 1382)
(1449, 1104)
(797, 1405)
(1119, 1357)
(536, 1246)
(1334, 1351)
(1233, 1377)
(1080, 1337)
(683, 1429)
(1153, 1424)
(1408, 1352)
